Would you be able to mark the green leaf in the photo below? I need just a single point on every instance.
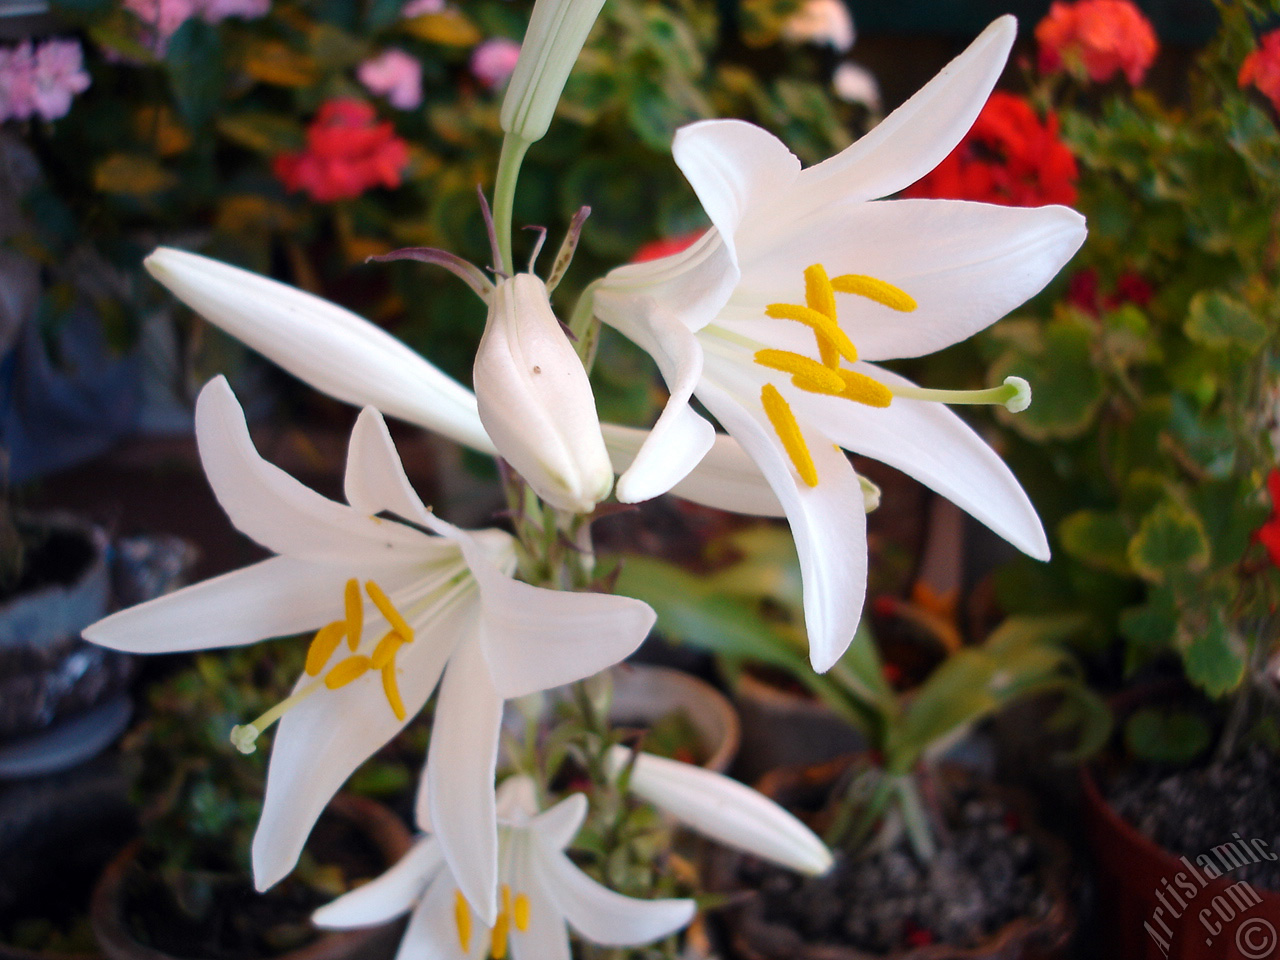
(1149, 628)
(1166, 736)
(263, 132)
(194, 60)
(1096, 538)
(1213, 662)
(1218, 320)
(1170, 541)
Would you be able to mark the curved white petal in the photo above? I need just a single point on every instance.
(460, 770)
(827, 521)
(273, 598)
(375, 479)
(726, 478)
(547, 937)
(274, 509)
(724, 810)
(915, 138)
(393, 893)
(325, 737)
(558, 825)
(734, 167)
(928, 441)
(681, 437)
(536, 639)
(600, 914)
(323, 344)
(432, 933)
(965, 264)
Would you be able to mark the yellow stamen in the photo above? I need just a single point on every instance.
(462, 918)
(386, 650)
(521, 912)
(878, 290)
(355, 613)
(788, 431)
(828, 333)
(347, 670)
(506, 898)
(392, 689)
(385, 607)
(863, 389)
(818, 292)
(804, 369)
(498, 941)
(323, 644)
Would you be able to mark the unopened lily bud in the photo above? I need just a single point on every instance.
(557, 31)
(535, 400)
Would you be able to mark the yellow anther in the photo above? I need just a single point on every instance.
(323, 644)
(386, 649)
(784, 425)
(498, 940)
(829, 335)
(818, 292)
(347, 670)
(462, 919)
(391, 687)
(355, 613)
(521, 912)
(878, 290)
(863, 389)
(385, 607)
(803, 369)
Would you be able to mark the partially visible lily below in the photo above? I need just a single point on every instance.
(749, 319)
(543, 893)
(399, 607)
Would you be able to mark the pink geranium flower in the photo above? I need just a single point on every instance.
(493, 61)
(41, 80)
(394, 75)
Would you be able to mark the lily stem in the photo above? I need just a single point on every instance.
(504, 196)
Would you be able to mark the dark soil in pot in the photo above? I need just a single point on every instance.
(996, 887)
(1192, 811)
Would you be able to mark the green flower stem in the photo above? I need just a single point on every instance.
(504, 195)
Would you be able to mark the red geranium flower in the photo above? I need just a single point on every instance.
(1130, 287)
(1097, 39)
(666, 247)
(347, 153)
(1009, 156)
(1262, 68)
(1269, 533)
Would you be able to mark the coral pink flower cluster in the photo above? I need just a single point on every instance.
(394, 75)
(1009, 157)
(1097, 39)
(493, 61)
(40, 80)
(164, 17)
(1262, 68)
(347, 153)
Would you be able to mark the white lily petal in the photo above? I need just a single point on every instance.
(390, 895)
(323, 344)
(929, 442)
(916, 137)
(733, 166)
(536, 639)
(273, 508)
(516, 799)
(600, 914)
(827, 521)
(965, 264)
(547, 937)
(375, 478)
(432, 933)
(460, 770)
(273, 598)
(322, 740)
(724, 810)
(726, 478)
(558, 825)
(535, 399)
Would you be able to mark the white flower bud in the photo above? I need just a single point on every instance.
(535, 400)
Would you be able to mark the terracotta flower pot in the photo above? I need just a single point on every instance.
(753, 935)
(1153, 905)
(380, 826)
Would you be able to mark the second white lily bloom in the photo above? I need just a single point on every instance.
(441, 608)
(535, 400)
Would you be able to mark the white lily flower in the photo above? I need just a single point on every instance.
(723, 809)
(535, 400)
(411, 605)
(542, 891)
(749, 320)
(821, 22)
(347, 357)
